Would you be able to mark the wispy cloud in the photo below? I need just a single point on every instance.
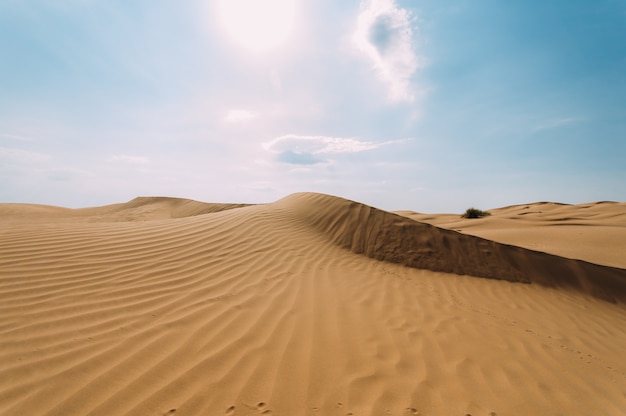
(555, 123)
(311, 150)
(15, 137)
(22, 156)
(239, 116)
(133, 160)
(385, 35)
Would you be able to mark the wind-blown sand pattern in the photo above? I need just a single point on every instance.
(306, 306)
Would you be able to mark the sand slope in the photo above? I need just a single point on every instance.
(269, 309)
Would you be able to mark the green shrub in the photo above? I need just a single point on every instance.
(475, 213)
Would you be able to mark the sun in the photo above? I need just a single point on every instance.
(258, 25)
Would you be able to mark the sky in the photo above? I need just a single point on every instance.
(424, 105)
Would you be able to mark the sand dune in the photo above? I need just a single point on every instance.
(305, 306)
(385, 236)
(139, 209)
(593, 232)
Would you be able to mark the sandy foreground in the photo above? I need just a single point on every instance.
(312, 305)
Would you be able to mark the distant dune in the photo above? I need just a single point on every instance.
(311, 305)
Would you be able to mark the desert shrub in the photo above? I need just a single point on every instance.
(475, 213)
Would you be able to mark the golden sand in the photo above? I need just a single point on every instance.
(312, 305)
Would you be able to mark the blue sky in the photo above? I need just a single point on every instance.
(426, 105)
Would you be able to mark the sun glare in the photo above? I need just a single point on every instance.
(258, 25)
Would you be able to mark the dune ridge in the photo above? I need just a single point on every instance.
(257, 310)
(389, 237)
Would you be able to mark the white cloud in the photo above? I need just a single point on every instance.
(310, 150)
(317, 144)
(239, 116)
(385, 35)
(134, 160)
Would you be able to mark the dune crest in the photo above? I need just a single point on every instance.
(390, 237)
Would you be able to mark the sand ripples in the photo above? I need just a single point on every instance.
(254, 311)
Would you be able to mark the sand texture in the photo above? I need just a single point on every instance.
(311, 305)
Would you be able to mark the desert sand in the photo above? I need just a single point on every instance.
(311, 305)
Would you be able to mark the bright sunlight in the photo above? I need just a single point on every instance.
(258, 25)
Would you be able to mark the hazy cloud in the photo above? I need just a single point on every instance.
(134, 160)
(275, 80)
(21, 156)
(239, 116)
(385, 35)
(15, 137)
(66, 174)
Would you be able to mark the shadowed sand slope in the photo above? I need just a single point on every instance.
(390, 237)
(260, 310)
